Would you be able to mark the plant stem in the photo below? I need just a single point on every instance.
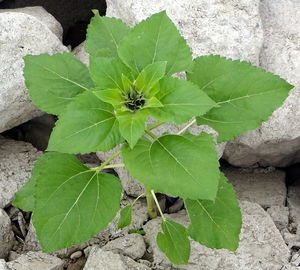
(150, 204)
(104, 164)
(155, 125)
(187, 127)
(111, 166)
(157, 205)
(143, 194)
(148, 132)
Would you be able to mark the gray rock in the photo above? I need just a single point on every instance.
(231, 28)
(280, 216)
(20, 34)
(6, 235)
(16, 162)
(42, 15)
(3, 265)
(263, 186)
(36, 261)
(131, 245)
(277, 141)
(107, 260)
(261, 245)
(293, 200)
(81, 54)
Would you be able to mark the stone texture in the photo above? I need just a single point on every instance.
(107, 260)
(277, 141)
(293, 200)
(228, 27)
(3, 265)
(280, 216)
(36, 261)
(42, 15)
(131, 245)
(20, 34)
(261, 245)
(263, 186)
(6, 235)
(16, 162)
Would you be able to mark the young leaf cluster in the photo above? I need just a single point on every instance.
(129, 79)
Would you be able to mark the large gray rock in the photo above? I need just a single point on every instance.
(16, 163)
(36, 261)
(261, 245)
(3, 265)
(42, 15)
(228, 27)
(107, 260)
(6, 235)
(20, 34)
(277, 141)
(263, 186)
(131, 245)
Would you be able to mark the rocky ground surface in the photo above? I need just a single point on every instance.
(264, 32)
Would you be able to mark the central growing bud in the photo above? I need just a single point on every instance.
(134, 99)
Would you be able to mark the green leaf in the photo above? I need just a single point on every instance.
(246, 95)
(153, 40)
(181, 101)
(152, 103)
(73, 203)
(125, 217)
(150, 76)
(132, 125)
(107, 72)
(111, 96)
(54, 80)
(88, 125)
(184, 166)
(216, 224)
(104, 35)
(174, 242)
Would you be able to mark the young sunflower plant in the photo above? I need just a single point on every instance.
(130, 79)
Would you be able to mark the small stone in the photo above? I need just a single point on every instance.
(295, 260)
(107, 260)
(13, 256)
(280, 216)
(293, 200)
(16, 162)
(6, 235)
(263, 186)
(36, 261)
(131, 245)
(76, 255)
(87, 251)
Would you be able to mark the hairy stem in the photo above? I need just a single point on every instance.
(105, 163)
(152, 212)
(148, 132)
(187, 127)
(112, 166)
(157, 205)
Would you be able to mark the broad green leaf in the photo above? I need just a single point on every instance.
(25, 196)
(216, 224)
(132, 125)
(107, 72)
(88, 125)
(104, 35)
(72, 203)
(111, 96)
(184, 166)
(246, 95)
(174, 242)
(152, 103)
(54, 80)
(150, 76)
(156, 39)
(125, 217)
(181, 101)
